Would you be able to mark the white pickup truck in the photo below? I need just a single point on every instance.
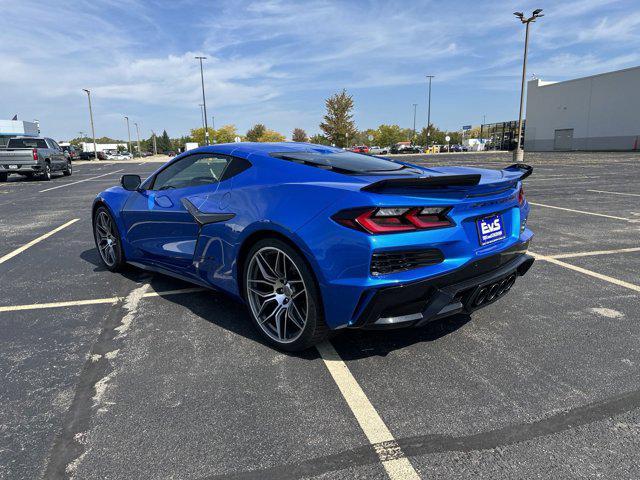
(33, 157)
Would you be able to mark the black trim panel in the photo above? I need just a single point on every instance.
(205, 218)
(424, 182)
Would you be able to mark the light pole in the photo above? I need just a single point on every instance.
(518, 154)
(413, 139)
(155, 146)
(204, 103)
(429, 111)
(129, 133)
(93, 132)
(138, 136)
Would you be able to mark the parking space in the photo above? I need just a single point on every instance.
(142, 376)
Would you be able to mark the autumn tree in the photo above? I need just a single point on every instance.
(299, 135)
(338, 125)
(319, 139)
(255, 132)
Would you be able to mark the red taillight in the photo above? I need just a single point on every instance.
(521, 195)
(394, 219)
(35, 154)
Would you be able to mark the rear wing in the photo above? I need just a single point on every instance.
(524, 169)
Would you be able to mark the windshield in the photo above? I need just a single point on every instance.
(344, 162)
(27, 143)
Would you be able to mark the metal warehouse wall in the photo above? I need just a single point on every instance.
(601, 112)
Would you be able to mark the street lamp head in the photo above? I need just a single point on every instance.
(201, 58)
(520, 15)
(86, 90)
(537, 11)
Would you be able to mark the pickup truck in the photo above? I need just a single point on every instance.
(33, 157)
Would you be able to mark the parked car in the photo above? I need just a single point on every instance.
(125, 155)
(72, 153)
(33, 157)
(401, 148)
(313, 238)
(378, 150)
(91, 156)
(360, 149)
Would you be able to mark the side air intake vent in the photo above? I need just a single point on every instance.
(383, 263)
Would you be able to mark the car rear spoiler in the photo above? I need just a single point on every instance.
(521, 167)
(424, 182)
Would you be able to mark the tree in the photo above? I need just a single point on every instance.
(271, 136)
(338, 125)
(387, 135)
(226, 134)
(319, 139)
(163, 142)
(255, 132)
(299, 135)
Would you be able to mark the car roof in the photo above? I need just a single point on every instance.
(244, 149)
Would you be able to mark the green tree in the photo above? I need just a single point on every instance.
(299, 135)
(271, 136)
(319, 139)
(163, 142)
(255, 132)
(388, 135)
(226, 134)
(338, 125)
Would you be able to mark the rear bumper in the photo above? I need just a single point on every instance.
(469, 288)
(28, 168)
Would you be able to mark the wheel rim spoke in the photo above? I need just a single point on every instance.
(277, 294)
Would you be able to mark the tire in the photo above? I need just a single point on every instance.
(3, 177)
(280, 288)
(69, 170)
(46, 173)
(107, 240)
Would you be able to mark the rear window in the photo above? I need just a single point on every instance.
(27, 143)
(343, 162)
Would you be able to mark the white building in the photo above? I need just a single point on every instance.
(17, 128)
(601, 112)
(102, 147)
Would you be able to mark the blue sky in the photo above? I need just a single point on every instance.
(275, 61)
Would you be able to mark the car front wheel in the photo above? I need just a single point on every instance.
(68, 170)
(107, 238)
(282, 295)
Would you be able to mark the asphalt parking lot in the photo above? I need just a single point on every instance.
(112, 376)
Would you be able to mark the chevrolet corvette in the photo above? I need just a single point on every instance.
(314, 239)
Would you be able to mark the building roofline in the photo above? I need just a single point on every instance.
(546, 83)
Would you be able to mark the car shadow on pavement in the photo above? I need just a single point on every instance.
(357, 344)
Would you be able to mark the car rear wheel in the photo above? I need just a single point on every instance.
(68, 170)
(284, 301)
(46, 172)
(107, 238)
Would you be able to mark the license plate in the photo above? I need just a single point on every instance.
(13, 167)
(490, 229)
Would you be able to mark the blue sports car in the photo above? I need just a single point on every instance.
(314, 239)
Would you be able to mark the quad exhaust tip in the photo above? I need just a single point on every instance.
(494, 291)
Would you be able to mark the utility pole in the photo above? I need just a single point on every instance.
(430, 77)
(204, 103)
(413, 139)
(518, 154)
(155, 146)
(93, 131)
(138, 135)
(129, 133)
(213, 127)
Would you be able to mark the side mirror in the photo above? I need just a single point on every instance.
(130, 182)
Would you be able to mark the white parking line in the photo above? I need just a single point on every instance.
(95, 301)
(17, 251)
(79, 181)
(581, 211)
(616, 193)
(600, 276)
(595, 252)
(397, 466)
